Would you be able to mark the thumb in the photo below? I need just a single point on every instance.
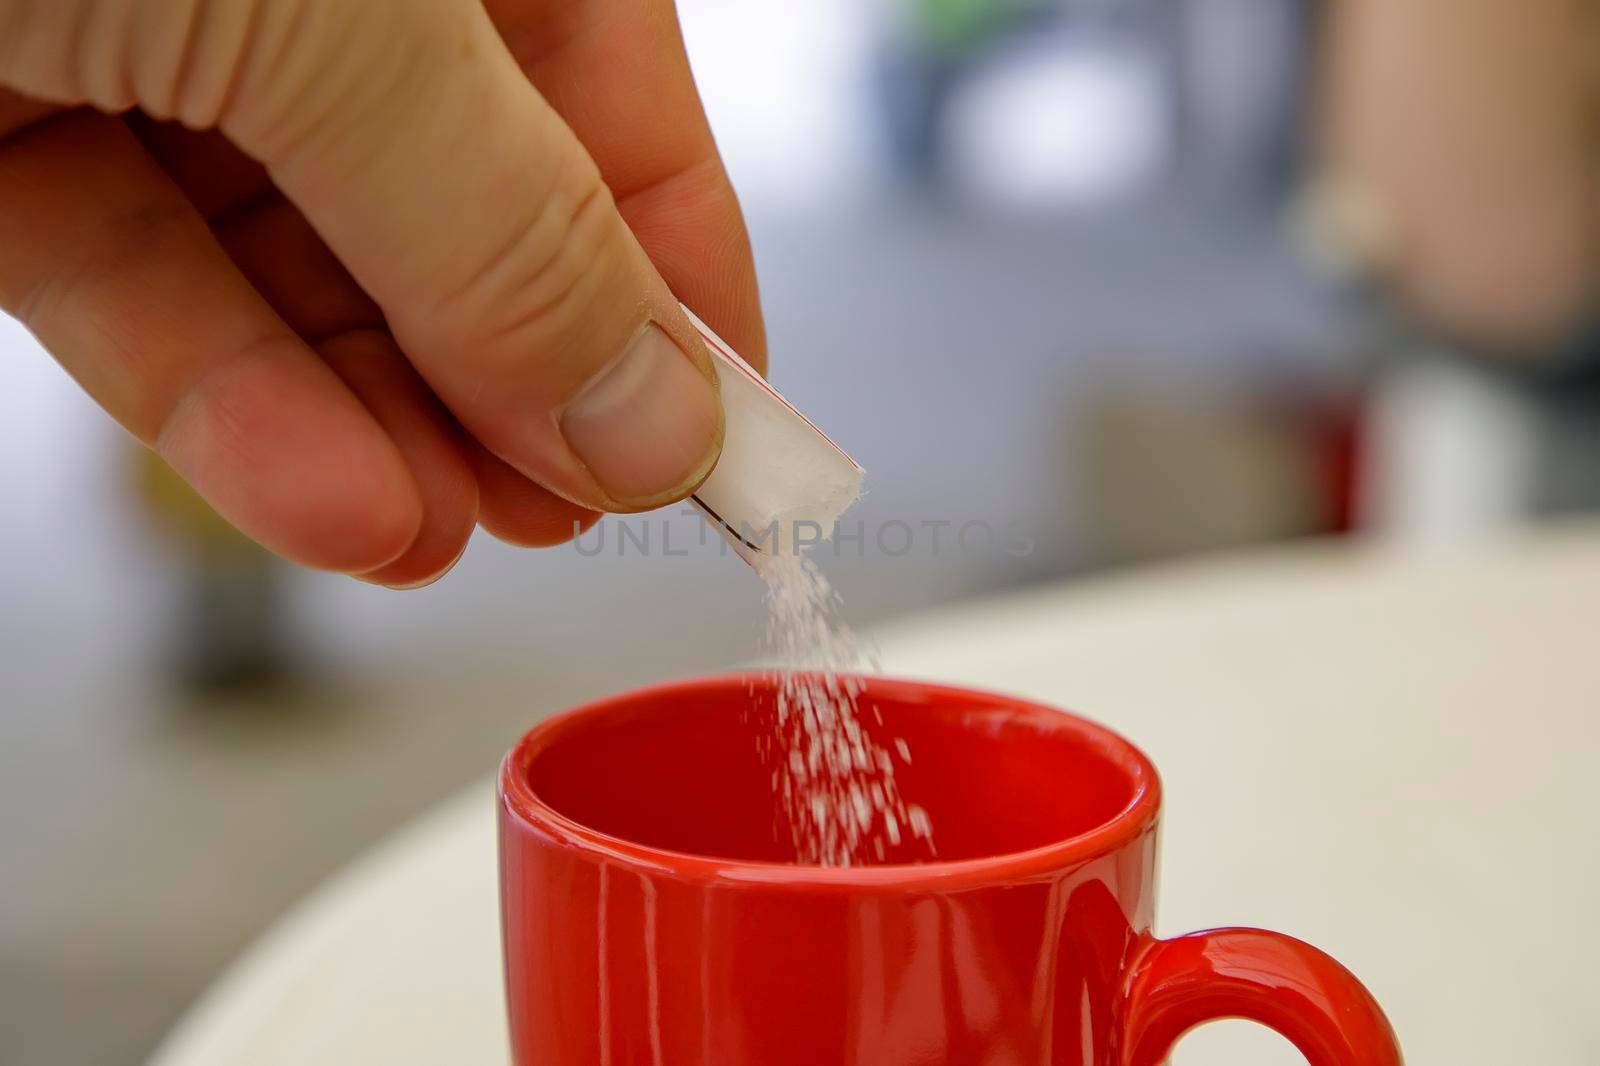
(461, 201)
(406, 133)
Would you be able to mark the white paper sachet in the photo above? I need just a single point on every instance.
(780, 482)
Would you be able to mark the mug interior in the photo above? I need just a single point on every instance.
(679, 768)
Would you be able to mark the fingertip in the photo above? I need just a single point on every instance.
(414, 570)
(280, 449)
(430, 444)
(451, 514)
(388, 534)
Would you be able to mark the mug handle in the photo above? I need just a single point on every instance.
(1288, 986)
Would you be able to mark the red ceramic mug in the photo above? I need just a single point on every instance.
(649, 916)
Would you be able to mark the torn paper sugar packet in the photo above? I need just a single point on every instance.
(781, 484)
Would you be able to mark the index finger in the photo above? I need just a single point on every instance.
(618, 75)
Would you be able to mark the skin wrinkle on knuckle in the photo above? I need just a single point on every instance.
(126, 359)
(34, 302)
(205, 405)
(218, 37)
(484, 277)
(73, 297)
(196, 54)
(545, 276)
(108, 53)
(160, 50)
(249, 45)
(201, 423)
(251, 106)
(309, 79)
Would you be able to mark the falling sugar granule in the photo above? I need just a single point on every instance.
(835, 784)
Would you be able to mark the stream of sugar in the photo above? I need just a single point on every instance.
(834, 782)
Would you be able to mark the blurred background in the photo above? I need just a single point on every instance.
(1128, 279)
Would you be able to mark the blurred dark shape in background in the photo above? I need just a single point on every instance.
(1141, 278)
(227, 628)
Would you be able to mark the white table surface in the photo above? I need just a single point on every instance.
(1395, 758)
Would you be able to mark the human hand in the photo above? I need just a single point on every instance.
(368, 272)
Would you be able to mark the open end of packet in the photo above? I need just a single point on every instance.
(781, 483)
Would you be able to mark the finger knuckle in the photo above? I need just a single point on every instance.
(546, 274)
(207, 50)
(172, 58)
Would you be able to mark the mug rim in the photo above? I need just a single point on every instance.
(519, 801)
